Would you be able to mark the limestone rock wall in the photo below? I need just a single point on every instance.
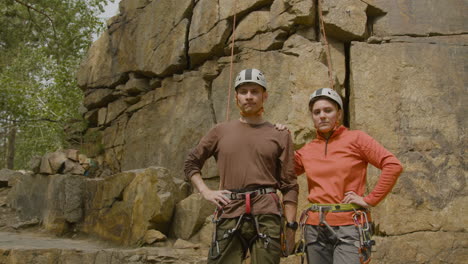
(158, 79)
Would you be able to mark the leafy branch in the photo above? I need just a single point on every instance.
(30, 7)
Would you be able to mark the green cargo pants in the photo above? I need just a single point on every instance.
(231, 250)
(324, 247)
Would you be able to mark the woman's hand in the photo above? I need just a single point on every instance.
(216, 197)
(281, 127)
(352, 197)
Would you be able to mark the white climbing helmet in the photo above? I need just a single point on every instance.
(326, 92)
(250, 76)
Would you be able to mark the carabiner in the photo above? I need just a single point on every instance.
(214, 246)
(299, 248)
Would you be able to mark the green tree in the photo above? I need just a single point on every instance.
(41, 45)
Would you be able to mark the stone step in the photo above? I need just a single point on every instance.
(42, 249)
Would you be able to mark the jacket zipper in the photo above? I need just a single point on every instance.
(326, 146)
(326, 143)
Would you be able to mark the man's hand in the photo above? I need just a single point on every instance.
(352, 197)
(216, 197)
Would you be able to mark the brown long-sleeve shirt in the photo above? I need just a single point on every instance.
(248, 156)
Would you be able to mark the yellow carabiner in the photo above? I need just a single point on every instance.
(299, 248)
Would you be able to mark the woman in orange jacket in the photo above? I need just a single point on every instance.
(336, 225)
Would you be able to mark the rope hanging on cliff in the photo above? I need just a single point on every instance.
(323, 39)
(232, 59)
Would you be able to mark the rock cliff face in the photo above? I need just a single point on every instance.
(158, 79)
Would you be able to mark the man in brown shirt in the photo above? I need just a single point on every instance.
(254, 160)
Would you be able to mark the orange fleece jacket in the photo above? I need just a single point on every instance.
(339, 164)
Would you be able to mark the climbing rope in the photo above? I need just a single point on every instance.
(232, 60)
(323, 39)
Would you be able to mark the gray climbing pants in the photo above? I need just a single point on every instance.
(324, 247)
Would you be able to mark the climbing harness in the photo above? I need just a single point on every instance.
(360, 220)
(245, 195)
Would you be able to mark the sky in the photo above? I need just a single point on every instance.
(111, 10)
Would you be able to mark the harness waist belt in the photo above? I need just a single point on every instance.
(250, 194)
(334, 208)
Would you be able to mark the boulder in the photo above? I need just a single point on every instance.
(286, 13)
(56, 200)
(9, 177)
(152, 236)
(114, 135)
(204, 18)
(162, 26)
(149, 39)
(114, 109)
(190, 215)
(73, 167)
(92, 117)
(204, 235)
(264, 41)
(182, 244)
(170, 56)
(98, 98)
(421, 18)
(35, 164)
(253, 23)
(112, 158)
(229, 7)
(345, 20)
(186, 113)
(210, 44)
(51, 163)
(123, 207)
(72, 154)
(421, 247)
(338, 59)
(102, 114)
(145, 100)
(136, 85)
(64, 203)
(98, 69)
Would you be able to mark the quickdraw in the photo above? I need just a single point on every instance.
(365, 233)
(300, 247)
